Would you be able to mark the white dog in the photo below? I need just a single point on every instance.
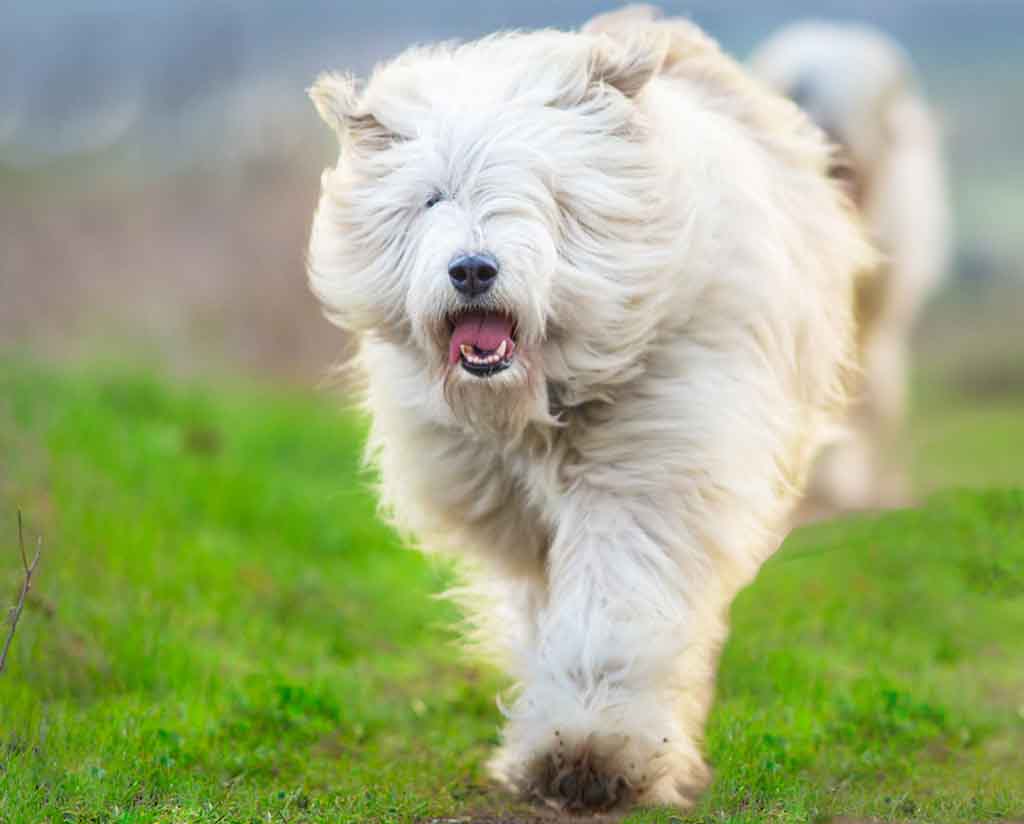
(602, 287)
(859, 87)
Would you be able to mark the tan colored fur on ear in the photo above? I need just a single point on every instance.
(334, 96)
(630, 64)
(613, 22)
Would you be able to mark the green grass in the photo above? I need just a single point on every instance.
(222, 631)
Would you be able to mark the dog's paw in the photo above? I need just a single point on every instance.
(599, 773)
(588, 779)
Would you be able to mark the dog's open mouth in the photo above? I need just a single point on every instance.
(483, 343)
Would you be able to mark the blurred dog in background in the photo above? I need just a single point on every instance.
(859, 87)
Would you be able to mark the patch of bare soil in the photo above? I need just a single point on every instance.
(523, 814)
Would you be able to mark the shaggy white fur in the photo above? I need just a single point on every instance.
(858, 85)
(674, 286)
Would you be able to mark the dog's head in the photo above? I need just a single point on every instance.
(491, 214)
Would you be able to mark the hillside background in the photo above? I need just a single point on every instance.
(159, 164)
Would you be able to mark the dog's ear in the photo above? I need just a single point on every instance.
(613, 22)
(334, 96)
(628, 65)
(337, 102)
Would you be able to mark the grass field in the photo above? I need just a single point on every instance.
(222, 631)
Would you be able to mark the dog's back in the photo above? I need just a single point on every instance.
(859, 87)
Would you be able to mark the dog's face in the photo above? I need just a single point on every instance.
(448, 232)
(477, 202)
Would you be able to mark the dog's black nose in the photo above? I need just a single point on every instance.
(472, 275)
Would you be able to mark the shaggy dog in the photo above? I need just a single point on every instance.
(859, 87)
(601, 284)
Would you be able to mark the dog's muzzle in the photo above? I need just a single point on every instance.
(482, 342)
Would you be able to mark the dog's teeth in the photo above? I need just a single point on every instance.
(472, 355)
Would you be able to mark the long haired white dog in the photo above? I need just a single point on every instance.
(601, 284)
(858, 85)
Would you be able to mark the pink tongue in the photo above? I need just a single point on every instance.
(484, 330)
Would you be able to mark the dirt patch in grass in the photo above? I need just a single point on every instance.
(537, 817)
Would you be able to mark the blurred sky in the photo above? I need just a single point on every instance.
(159, 159)
(85, 74)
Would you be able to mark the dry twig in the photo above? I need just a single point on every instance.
(29, 569)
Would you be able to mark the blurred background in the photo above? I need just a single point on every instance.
(159, 164)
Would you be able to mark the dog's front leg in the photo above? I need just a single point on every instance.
(617, 683)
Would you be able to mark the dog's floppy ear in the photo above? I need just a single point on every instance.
(628, 64)
(615, 22)
(335, 98)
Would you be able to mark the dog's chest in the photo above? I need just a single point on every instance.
(535, 473)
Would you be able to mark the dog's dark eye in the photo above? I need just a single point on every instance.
(434, 199)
